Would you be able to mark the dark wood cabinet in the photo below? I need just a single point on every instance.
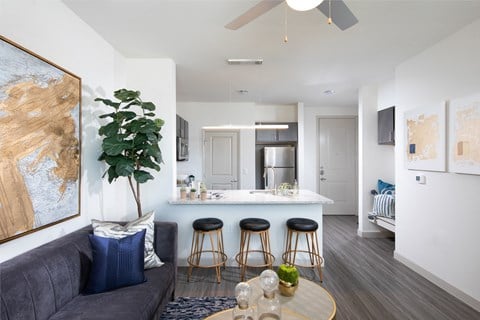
(386, 126)
(278, 135)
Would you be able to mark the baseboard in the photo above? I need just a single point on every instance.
(373, 234)
(467, 299)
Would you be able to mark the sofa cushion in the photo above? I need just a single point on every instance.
(35, 284)
(117, 231)
(116, 262)
(136, 302)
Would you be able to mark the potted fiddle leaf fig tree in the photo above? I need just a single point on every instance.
(130, 140)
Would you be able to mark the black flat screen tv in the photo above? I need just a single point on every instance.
(386, 126)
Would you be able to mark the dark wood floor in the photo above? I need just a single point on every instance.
(362, 276)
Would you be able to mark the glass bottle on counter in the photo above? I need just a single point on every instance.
(268, 305)
(243, 310)
(295, 188)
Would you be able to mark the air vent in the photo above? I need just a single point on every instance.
(244, 61)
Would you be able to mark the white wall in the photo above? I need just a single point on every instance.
(374, 161)
(200, 114)
(155, 78)
(438, 223)
(308, 160)
(53, 31)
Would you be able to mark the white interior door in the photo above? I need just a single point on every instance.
(221, 156)
(337, 166)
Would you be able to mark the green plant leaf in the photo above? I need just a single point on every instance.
(125, 95)
(159, 123)
(150, 114)
(127, 115)
(152, 137)
(147, 162)
(111, 115)
(134, 126)
(113, 160)
(148, 127)
(148, 106)
(135, 102)
(112, 146)
(112, 175)
(139, 140)
(109, 130)
(125, 167)
(142, 176)
(109, 102)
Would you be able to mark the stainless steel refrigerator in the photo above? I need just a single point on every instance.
(279, 166)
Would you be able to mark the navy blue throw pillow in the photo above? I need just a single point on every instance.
(116, 262)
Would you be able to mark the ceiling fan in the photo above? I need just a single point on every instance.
(335, 10)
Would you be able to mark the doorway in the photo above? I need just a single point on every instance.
(337, 164)
(221, 154)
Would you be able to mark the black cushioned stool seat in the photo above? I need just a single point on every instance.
(212, 227)
(207, 224)
(309, 249)
(254, 224)
(248, 227)
(302, 224)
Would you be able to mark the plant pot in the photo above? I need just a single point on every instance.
(286, 288)
(183, 194)
(203, 195)
(193, 195)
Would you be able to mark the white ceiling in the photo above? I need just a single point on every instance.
(317, 57)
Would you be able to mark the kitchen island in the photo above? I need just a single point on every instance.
(231, 206)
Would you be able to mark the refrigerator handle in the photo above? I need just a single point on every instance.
(265, 177)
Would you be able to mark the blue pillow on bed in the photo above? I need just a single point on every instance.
(385, 186)
(116, 262)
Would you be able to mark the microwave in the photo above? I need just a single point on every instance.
(182, 149)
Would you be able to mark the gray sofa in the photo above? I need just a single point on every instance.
(47, 282)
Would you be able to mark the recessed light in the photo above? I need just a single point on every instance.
(329, 92)
(244, 61)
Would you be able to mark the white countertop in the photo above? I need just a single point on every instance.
(256, 197)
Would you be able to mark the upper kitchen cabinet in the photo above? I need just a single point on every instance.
(278, 135)
(386, 126)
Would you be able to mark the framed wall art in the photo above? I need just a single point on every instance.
(40, 126)
(464, 135)
(426, 138)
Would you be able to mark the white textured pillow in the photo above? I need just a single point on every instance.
(116, 231)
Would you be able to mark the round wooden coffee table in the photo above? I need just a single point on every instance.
(310, 301)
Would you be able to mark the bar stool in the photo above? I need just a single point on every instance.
(213, 228)
(307, 227)
(248, 227)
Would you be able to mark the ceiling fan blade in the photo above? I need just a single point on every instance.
(252, 13)
(341, 15)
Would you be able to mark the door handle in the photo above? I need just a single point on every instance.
(234, 180)
(323, 179)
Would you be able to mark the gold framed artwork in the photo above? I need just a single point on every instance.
(40, 142)
(425, 130)
(464, 135)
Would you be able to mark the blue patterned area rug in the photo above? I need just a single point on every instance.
(196, 308)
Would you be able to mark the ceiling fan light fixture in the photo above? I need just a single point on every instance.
(303, 5)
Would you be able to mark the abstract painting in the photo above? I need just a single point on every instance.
(425, 138)
(40, 114)
(464, 135)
